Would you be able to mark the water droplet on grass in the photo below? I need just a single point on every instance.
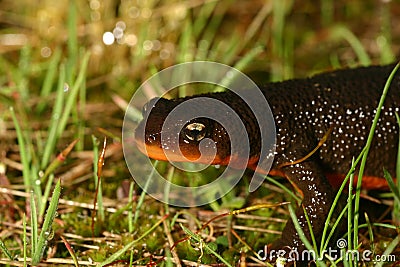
(66, 87)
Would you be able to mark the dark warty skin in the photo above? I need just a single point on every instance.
(340, 105)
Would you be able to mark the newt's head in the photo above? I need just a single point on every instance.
(197, 129)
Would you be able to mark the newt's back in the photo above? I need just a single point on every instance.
(344, 101)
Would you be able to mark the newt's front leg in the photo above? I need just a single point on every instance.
(309, 179)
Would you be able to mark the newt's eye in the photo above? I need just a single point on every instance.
(195, 131)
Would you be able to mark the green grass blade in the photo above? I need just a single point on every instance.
(37, 188)
(284, 188)
(72, 43)
(389, 249)
(370, 232)
(143, 194)
(21, 74)
(203, 17)
(78, 120)
(97, 180)
(392, 185)
(342, 32)
(338, 194)
(367, 147)
(240, 66)
(327, 12)
(55, 118)
(23, 152)
(314, 243)
(167, 188)
(24, 238)
(168, 261)
(302, 235)
(139, 54)
(72, 94)
(34, 224)
(185, 55)
(398, 154)
(384, 41)
(279, 10)
(208, 37)
(324, 246)
(130, 213)
(228, 50)
(248, 58)
(4, 249)
(396, 204)
(383, 225)
(47, 224)
(46, 194)
(350, 208)
(186, 42)
(257, 23)
(49, 80)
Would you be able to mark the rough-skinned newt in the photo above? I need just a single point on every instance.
(338, 105)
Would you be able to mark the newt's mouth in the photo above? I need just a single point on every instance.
(156, 152)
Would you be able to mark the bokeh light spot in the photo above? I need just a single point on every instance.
(45, 51)
(108, 38)
(130, 39)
